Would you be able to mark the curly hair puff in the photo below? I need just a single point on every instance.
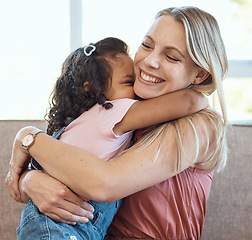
(71, 96)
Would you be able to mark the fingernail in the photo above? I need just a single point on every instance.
(91, 209)
(90, 215)
(85, 220)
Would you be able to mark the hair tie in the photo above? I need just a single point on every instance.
(93, 48)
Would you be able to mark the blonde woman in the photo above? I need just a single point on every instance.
(168, 172)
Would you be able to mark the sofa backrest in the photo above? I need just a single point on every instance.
(229, 208)
(10, 210)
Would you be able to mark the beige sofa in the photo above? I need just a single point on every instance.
(229, 209)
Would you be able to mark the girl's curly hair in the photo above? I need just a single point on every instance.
(71, 96)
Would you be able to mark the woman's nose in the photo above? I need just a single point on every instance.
(153, 60)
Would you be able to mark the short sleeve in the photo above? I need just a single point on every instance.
(108, 118)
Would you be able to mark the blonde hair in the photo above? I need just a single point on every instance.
(206, 48)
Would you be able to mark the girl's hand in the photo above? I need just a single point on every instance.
(54, 199)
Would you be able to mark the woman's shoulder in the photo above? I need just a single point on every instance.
(212, 130)
(207, 122)
(204, 133)
(209, 117)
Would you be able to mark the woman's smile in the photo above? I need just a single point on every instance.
(162, 62)
(149, 78)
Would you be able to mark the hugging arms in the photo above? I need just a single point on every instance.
(191, 147)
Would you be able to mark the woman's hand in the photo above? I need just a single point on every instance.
(54, 199)
(19, 161)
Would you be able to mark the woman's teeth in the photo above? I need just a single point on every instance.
(149, 78)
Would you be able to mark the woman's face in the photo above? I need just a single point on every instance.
(162, 62)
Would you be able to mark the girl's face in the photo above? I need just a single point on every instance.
(162, 62)
(123, 78)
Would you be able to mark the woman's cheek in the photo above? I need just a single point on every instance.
(140, 92)
(144, 92)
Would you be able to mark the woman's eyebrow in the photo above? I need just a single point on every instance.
(168, 47)
(176, 49)
(148, 36)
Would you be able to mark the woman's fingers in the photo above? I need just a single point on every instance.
(65, 211)
(78, 203)
(59, 219)
(73, 204)
(55, 199)
(65, 216)
(11, 183)
(19, 161)
(87, 206)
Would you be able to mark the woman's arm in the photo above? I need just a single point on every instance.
(133, 171)
(53, 198)
(161, 109)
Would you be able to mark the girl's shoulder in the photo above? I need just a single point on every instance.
(123, 101)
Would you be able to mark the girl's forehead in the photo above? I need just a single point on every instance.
(122, 61)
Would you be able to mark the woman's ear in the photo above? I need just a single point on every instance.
(201, 76)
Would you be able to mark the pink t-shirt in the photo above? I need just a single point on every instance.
(93, 130)
(173, 209)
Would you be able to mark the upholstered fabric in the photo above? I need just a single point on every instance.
(229, 208)
(10, 211)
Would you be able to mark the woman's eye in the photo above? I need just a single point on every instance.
(145, 45)
(172, 59)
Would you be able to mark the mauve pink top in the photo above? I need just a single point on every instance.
(173, 209)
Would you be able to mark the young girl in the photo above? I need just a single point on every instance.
(96, 90)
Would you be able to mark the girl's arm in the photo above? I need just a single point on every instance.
(161, 109)
(133, 171)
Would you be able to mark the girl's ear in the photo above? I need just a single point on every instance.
(201, 76)
(86, 86)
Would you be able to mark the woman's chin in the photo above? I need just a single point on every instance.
(143, 91)
(144, 94)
